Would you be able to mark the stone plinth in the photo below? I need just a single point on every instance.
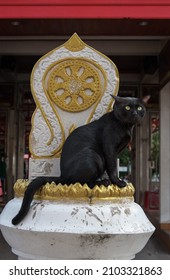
(103, 223)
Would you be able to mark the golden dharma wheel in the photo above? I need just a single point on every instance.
(74, 85)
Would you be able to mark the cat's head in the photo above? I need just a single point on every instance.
(129, 109)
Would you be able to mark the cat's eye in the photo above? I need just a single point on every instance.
(127, 108)
(139, 108)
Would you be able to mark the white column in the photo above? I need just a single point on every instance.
(165, 154)
(145, 153)
(142, 155)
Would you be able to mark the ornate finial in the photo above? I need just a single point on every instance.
(74, 44)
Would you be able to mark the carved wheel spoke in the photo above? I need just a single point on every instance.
(89, 86)
(57, 87)
(64, 73)
(64, 97)
(84, 96)
(76, 70)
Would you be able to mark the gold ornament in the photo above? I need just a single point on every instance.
(51, 191)
(74, 44)
(74, 84)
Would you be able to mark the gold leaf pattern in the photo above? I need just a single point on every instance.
(51, 191)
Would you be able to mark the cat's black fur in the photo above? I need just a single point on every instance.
(92, 149)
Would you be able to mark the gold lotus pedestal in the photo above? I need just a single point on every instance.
(76, 222)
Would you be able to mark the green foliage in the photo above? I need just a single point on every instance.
(125, 157)
(155, 145)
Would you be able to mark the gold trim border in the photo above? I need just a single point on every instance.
(53, 192)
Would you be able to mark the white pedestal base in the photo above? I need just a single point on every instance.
(73, 230)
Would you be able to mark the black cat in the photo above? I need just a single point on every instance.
(92, 149)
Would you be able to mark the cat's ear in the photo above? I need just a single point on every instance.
(117, 98)
(145, 99)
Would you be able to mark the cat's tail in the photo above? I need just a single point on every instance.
(34, 186)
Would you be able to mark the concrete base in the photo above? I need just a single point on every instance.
(73, 230)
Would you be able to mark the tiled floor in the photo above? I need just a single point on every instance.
(5, 250)
(152, 251)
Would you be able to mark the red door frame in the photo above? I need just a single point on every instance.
(145, 9)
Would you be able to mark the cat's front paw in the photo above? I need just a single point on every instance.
(119, 183)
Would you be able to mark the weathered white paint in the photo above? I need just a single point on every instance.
(77, 230)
